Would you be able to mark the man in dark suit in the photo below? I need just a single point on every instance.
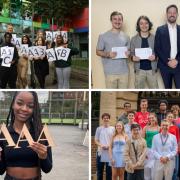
(167, 48)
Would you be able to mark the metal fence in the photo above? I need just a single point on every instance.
(55, 110)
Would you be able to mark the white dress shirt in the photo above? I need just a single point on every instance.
(104, 136)
(169, 149)
(173, 40)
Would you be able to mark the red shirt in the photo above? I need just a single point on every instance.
(175, 131)
(142, 118)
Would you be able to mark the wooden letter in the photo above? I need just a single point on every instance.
(24, 133)
(47, 135)
(7, 136)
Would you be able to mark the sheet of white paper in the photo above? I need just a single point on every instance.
(6, 61)
(42, 51)
(143, 53)
(120, 52)
(105, 156)
(17, 42)
(8, 56)
(62, 53)
(36, 52)
(31, 52)
(24, 49)
(50, 53)
(64, 35)
(55, 33)
(48, 36)
(13, 38)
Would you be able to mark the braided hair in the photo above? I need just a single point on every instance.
(34, 121)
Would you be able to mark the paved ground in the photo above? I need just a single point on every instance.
(70, 157)
(76, 81)
(74, 84)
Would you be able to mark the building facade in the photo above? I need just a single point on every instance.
(112, 103)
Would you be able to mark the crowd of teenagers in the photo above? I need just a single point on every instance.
(142, 146)
(16, 74)
(162, 52)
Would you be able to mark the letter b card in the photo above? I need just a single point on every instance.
(62, 53)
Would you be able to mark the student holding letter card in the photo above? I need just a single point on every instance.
(145, 69)
(41, 65)
(8, 66)
(23, 62)
(25, 160)
(63, 67)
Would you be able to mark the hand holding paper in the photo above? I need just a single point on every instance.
(127, 53)
(121, 52)
(7, 54)
(12, 62)
(112, 55)
(135, 58)
(143, 53)
(152, 58)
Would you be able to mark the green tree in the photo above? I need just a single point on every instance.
(58, 9)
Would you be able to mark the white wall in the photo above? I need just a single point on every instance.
(131, 10)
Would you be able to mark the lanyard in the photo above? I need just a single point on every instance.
(164, 141)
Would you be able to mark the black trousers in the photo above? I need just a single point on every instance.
(169, 76)
(100, 169)
(8, 76)
(8, 177)
(137, 175)
(41, 80)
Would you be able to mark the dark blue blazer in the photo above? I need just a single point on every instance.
(163, 47)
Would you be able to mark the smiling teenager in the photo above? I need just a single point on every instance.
(145, 69)
(25, 163)
(115, 69)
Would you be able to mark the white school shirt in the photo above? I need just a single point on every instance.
(104, 136)
(173, 40)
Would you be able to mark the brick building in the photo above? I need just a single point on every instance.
(112, 102)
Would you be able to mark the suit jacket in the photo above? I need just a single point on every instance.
(163, 47)
(131, 157)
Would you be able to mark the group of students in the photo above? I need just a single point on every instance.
(142, 145)
(165, 47)
(16, 76)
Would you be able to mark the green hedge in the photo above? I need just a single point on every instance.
(55, 121)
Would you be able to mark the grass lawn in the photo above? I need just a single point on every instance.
(84, 64)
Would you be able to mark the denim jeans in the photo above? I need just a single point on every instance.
(100, 168)
(176, 169)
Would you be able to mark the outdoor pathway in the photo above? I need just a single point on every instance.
(70, 157)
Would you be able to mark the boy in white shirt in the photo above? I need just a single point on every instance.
(103, 137)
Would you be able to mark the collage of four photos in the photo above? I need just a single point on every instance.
(89, 90)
